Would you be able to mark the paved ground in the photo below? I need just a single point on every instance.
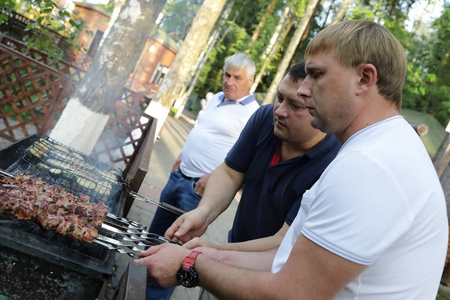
(166, 150)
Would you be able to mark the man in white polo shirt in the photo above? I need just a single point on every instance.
(215, 132)
(209, 141)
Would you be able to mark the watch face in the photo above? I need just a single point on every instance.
(187, 277)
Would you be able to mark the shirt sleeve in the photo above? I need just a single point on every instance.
(350, 214)
(293, 211)
(241, 154)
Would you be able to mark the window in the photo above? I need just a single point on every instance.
(159, 75)
(95, 43)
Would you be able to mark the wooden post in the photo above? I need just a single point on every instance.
(442, 157)
(445, 182)
(441, 164)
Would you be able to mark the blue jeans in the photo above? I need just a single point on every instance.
(156, 292)
(180, 193)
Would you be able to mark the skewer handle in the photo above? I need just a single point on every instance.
(172, 208)
(163, 205)
(3, 172)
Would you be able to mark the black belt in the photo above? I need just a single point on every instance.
(189, 178)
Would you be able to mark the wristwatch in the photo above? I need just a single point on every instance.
(187, 275)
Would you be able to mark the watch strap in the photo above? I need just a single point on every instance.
(189, 261)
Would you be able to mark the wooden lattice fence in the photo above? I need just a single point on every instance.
(28, 92)
(34, 91)
(74, 72)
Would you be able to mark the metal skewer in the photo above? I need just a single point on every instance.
(139, 245)
(124, 230)
(131, 245)
(125, 221)
(3, 172)
(165, 206)
(134, 252)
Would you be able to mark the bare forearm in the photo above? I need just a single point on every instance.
(262, 244)
(229, 282)
(258, 261)
(222, 185)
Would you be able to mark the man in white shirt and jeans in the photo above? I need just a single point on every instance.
(209, 141)
(206, 146)
(374, 226)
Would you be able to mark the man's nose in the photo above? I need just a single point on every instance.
(230, 81)
(304, 91)
(280, 109)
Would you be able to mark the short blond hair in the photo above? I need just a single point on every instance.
(355, 42)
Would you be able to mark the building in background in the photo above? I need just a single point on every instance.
(97, 22)
(155, 60)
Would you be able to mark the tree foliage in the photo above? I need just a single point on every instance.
(178, 16)
(49, 20)
(427, 87)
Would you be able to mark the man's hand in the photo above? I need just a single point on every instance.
(199, 242)
(176, 164)
(163, 262)
(201, 184)
(188, 226)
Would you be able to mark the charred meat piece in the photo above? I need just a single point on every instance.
(50, 221)
(24, 210)
(30, 198)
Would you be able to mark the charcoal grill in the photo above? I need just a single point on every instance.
(40, 264)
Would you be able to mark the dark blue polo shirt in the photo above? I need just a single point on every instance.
(272, 194)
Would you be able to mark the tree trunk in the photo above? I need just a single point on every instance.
(442, 157)
(337, 18)
(88, 110)
(269, 11)
(420, 19)
(204, 57)
(117, 8)
(178, 77)
(271, 48)
(341, 11)
(304, 21)
(330, 8)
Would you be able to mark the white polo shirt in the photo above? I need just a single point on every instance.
(380, 204)
(215, 132)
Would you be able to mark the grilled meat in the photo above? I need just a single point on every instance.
(30, 198)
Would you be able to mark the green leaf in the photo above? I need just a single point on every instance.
(4, 16)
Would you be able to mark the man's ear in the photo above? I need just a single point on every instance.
(367, 78)
(250, 81)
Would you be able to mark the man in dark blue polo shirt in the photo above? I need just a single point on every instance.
(278, 156)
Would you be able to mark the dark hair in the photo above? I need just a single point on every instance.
(296, 72)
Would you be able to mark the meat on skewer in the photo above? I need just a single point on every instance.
(30, 198)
